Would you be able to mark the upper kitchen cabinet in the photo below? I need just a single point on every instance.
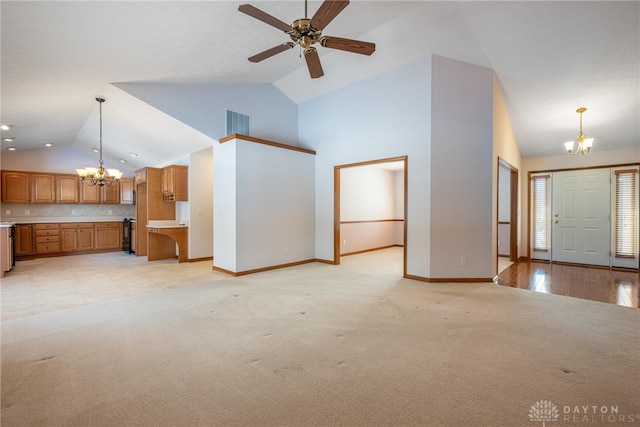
(43, 188)
(54, 188)
(126, 191)
(67, 190)
(175, 183)
(97, 194)
(140, 176)
(16, 187)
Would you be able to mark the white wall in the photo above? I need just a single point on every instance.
(504, 211)
(264, 206)
(504, 195)
(200, 213)
(224, 205)
(462, 200)
(368, 193)
(202, 106)
(380, 117)
(506, 148)
(60, 159)
(398, 234)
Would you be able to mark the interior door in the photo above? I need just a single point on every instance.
(581, 225)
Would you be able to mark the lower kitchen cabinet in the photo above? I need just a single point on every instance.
(24, 239)
(77, 236)
(47, 238)
(108, 235)
(51, 239)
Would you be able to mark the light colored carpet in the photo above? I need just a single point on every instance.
(321, 345)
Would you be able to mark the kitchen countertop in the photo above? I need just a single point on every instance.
(7, 224)
(46, 219)
(170, 223)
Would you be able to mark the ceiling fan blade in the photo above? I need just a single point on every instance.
(313, 62)
(355, 46)
(327, 11)
(264, 17)
(270, 52)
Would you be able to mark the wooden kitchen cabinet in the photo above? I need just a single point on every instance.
(149, 205)
(96, 194)
(47, 238)
(77, 236)
(89, 194)
(140, 176)
(43, 188)
(126, 191)
(175, 183)
(133, 236)
(24, 239)
(67, 189)
(108, 235)
(16, 187)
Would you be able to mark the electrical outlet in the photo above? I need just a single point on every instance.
(463, 261)
(344, 242)
(110, 212)
(74, 212)
(8, 212)
(200, 212)
(286, 250)
(27, 212)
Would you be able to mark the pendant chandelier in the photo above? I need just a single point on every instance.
(584, 143)
(99, 176)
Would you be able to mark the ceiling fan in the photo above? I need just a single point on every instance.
(306, 32)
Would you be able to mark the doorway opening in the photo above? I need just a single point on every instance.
(370, 207)
(507, 213)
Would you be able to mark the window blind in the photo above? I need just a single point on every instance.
(626, 213)
(540, 209)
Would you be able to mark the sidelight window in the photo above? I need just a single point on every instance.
(540, 212)
(626, 213)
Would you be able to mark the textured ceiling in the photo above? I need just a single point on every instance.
(550, 58)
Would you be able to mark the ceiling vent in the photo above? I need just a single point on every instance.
(237, 123)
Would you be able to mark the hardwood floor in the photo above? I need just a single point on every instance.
(615, 287)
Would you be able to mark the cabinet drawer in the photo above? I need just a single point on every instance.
(47, 232)
(75, 225)
(109, 225)
(46, 226)
(44, 248)
(47, 239)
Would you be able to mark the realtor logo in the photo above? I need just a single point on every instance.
(543, 410)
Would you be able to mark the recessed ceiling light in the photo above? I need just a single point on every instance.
(133, 154)
(11, 148)
(48, 144)
(123, 161)
(5, 127)
(95, 150)
(7, 139)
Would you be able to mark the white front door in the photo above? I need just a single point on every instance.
(580, 217)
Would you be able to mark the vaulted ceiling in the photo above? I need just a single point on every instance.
(550, 58)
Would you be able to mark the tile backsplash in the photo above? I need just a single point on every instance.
(72, 211)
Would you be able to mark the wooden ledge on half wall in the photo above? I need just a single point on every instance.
(265, 142)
